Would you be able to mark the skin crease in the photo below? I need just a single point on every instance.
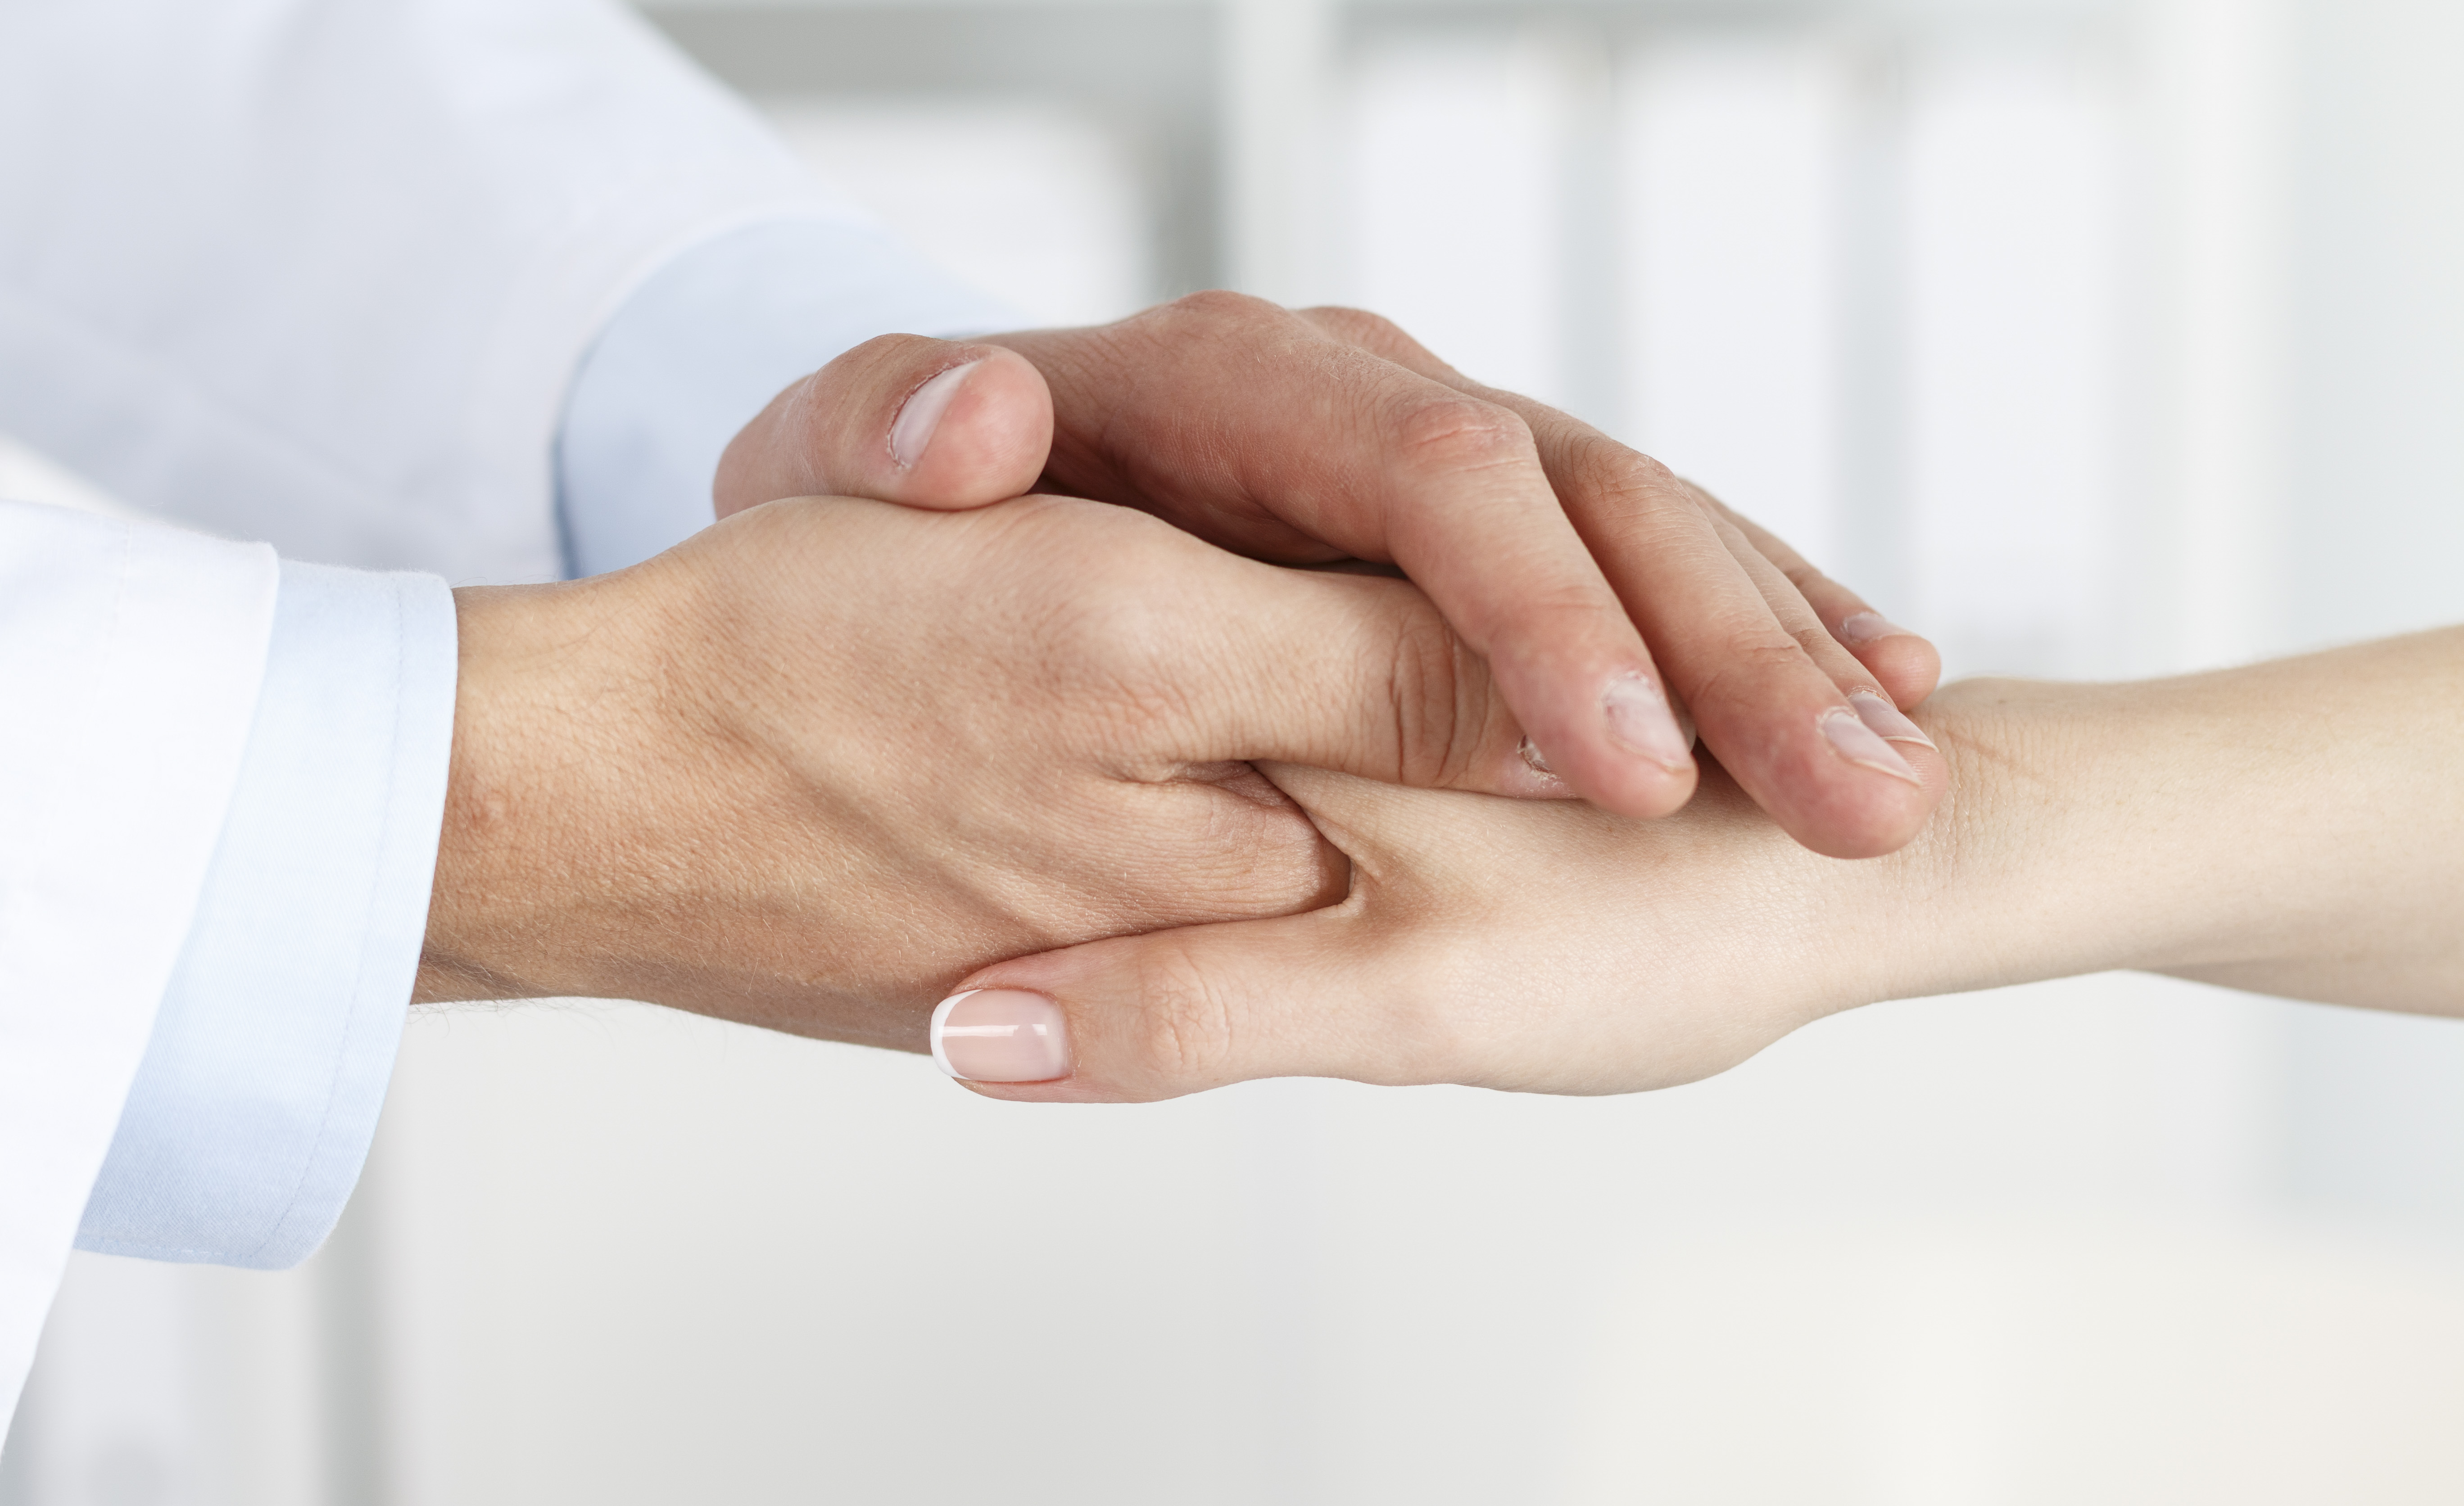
(762, 777)
(2292, 828)
(1567, 561)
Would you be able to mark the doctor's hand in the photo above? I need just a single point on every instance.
(818, 762)
(1592, 579)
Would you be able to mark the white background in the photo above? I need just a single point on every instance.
(2091, 339)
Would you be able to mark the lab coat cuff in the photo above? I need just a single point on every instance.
(260, 1088)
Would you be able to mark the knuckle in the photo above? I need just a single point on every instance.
(1119, 644)
(1745, 670)
(1456, 432)
(885, 349)
(1188, 1027)
(1626, 478)
(1439, 727)
(1813, 640)
(1360, 326)
(1219, 308)
(1811, 583)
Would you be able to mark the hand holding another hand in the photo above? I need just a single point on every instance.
(1593, 581)
(808, 768)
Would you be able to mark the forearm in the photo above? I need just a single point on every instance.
(2293, 828)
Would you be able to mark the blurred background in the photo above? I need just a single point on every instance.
(2092, 339)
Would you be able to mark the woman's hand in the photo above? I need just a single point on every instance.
(2295, 828)
(1594, 582)
(1545, 948)
(810, 766)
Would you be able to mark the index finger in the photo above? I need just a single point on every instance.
(1738, 641)
(1253, 428)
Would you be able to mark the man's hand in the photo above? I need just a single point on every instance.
(818, 762)
(1592, 581)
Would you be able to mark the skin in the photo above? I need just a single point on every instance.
(765, 778)
(2292, 828)
(1570, 563)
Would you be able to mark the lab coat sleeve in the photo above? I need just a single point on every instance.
(130, 660)
(320, 271)
(258, 1096)
(704, 345)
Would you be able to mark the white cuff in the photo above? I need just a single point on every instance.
(260, 1088)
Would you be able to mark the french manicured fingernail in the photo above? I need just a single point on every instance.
(1640, 722)
(1885, 719)
(1001, 1036)
(1857, 743)
(910, 436)
(1863, 627)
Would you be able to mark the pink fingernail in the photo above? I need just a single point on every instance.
(1001, 1036)
(1640, 722)
(1863, 627)
(1885, 719)
(912, 433)
(1857, 743)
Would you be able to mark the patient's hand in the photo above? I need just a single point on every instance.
(1588, 577)
(2293, 828)
(1549, 948)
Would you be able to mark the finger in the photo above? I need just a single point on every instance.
(1869, 816)
(1398, 468)
(1411, 979)
(900, 417)
(1777, 718)
(1710, 604)
(1906, 664)
(1353, 673)
(1332, 992)
(1180, 1012)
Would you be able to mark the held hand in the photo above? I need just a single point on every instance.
(1543, 948)
(1588, 576)
(815, 764)
(2185, 826)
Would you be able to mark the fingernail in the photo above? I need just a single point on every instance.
(1885, 719)
(1640, 721)
(922, 415)
(1863, 627)
(1855, 741)
(1533, 759)
(1001, 1036)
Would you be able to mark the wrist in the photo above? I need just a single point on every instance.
(551, 710)
(2011, 882)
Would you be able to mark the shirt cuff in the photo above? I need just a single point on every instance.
(704, 345)
(260, 1088)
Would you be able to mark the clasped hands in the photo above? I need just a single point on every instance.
(1226, 692)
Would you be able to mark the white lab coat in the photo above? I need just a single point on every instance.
(314, 272)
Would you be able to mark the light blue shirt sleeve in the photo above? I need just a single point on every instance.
(704, 345)
(253, 1110)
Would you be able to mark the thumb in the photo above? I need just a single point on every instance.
(1144, 1018)
(1372, 989)
(901, 418)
